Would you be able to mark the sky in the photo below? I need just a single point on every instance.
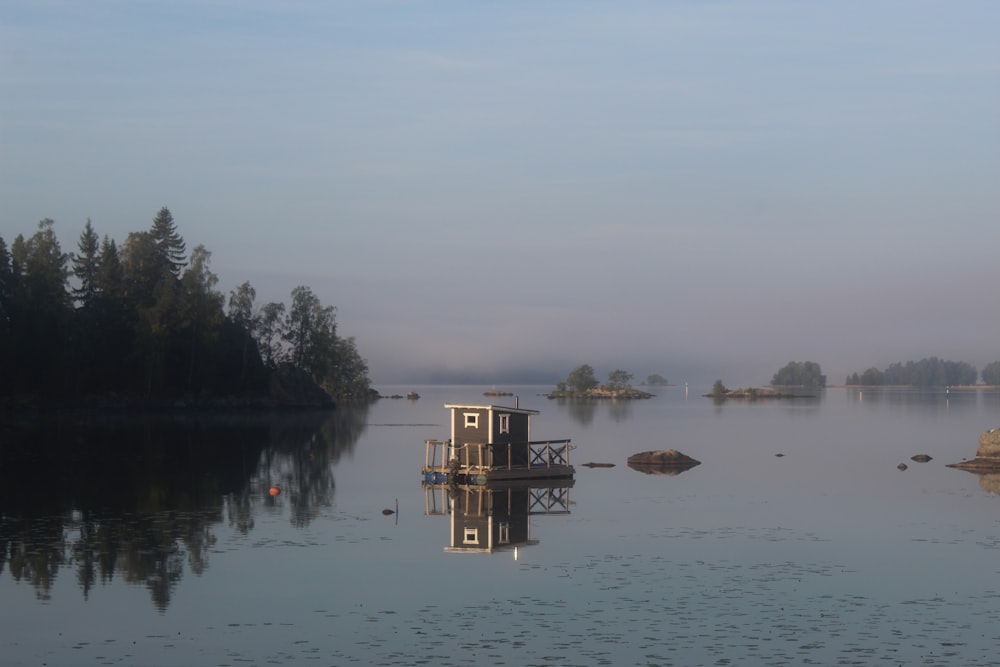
(502, 191)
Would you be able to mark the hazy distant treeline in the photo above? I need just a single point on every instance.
(800, 374)
(929, 372)
(144, 319)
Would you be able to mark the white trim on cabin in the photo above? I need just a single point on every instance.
(491, 408)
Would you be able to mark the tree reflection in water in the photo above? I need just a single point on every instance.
(138, 497)
(582, 410)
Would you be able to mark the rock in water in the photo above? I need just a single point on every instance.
(661, 462)
(920, 458)
(987, 456)
(989, 444)
(663, 457)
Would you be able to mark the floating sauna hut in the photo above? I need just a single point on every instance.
(492, 443)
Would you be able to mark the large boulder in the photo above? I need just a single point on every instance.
(989, 444)
(662, 461)
(987, 456)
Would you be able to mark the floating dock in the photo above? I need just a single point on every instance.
(483, 463)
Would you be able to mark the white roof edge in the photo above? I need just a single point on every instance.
(497, 408)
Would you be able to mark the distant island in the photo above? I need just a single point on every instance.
(602, 392)
(582, 384)
(750, 394)
(655, 380)
(928, 372)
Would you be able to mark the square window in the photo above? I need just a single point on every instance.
(471, 536)
(471, 420)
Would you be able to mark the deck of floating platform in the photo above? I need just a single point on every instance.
(480, 464)
(491, 476)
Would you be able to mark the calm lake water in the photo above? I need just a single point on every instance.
(156, 541)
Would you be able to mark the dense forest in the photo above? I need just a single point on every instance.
(928, 372)
(143, 321)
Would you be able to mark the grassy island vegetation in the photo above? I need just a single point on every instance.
(142, 323)
(721, 392)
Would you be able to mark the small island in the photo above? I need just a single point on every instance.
(582, 384)
(721, 392)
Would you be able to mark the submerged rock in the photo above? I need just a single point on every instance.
(920, 458)
(591, 464)
(902, 466)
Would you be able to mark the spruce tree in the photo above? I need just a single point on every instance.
(169, 244)
(86, 265)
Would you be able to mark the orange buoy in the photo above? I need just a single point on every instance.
(274, 491)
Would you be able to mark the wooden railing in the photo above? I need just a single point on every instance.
(549, 453)
(479, 456)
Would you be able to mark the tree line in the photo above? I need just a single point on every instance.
(144, 319)
(928, 372)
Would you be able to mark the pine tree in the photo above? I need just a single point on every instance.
(86, 264)
(6, 281)
(169, 244)
(109, 270)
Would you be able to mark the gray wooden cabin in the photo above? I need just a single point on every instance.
(491, 443)
(507, 430)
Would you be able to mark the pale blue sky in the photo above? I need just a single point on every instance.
(699, 189)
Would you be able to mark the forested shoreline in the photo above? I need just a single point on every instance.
(928, 372)
(142, 323)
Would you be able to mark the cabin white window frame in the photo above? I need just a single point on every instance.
(471, 419)
(504, 422)
(470, 535)
(503, 533)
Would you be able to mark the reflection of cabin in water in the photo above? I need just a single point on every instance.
(496, 517)
(490, 443)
